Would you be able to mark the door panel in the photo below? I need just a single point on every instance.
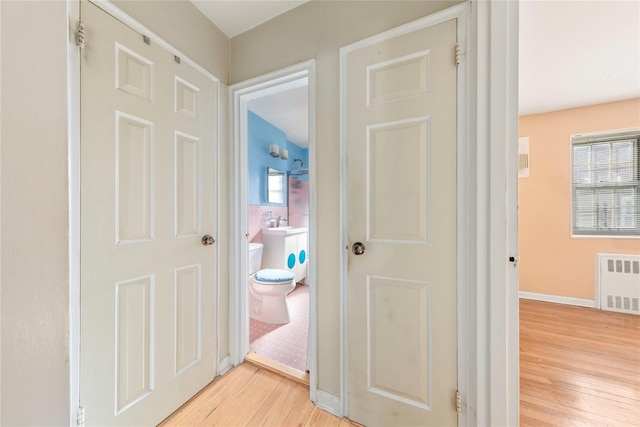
(401, 136)
(188, 313)
(134, 316)
(392, 354)
(187, 172)
(398, 158)
(148, 127)
(134, 178)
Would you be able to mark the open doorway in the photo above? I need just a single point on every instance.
(578, 200)
(274, 218)
(278, 224)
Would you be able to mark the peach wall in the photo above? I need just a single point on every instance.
(552, 262)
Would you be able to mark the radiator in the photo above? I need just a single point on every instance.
(618, 281)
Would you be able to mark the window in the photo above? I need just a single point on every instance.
(275, 186)
(605, 185)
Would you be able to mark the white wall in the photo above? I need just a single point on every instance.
(318, 30)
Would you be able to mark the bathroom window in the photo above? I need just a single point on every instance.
(275, 186)
(605, 184)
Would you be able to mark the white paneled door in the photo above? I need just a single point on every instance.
(148, 132)
(401, 139)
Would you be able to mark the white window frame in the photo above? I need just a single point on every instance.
(610, 137)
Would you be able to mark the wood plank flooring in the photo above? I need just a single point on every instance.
(251, 396)
(578, 366)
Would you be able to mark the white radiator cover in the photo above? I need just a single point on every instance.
(618, 282)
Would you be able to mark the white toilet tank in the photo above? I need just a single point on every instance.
(255, 257)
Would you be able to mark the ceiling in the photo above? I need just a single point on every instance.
(572, 53)
(235, 17)
(576, 53)
(287, 109)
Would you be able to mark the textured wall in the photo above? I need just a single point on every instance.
(34, 255)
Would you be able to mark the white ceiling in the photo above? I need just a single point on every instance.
(576, 53)
(572, 53)
(288, 110)
(235, 17)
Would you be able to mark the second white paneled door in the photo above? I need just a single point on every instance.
(401, 101)
(148, 191)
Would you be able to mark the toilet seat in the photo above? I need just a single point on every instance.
(272, 276)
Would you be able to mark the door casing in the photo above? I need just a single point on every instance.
(239, 95)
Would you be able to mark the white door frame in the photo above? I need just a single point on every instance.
(74, 99)
(488, 373)
(239, 95)
(494, 123)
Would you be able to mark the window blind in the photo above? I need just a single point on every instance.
(605, 184)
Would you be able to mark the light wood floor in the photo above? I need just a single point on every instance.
(578, 366)
(252, 396)
(280, 368)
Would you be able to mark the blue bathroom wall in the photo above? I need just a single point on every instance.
(261, 134)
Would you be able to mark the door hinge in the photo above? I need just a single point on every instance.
(80, 35)
(458, 53)
(80, 417)
(458, 403)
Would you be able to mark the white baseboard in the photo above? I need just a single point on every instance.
(330, 403)
(225, 365)
(558, 299)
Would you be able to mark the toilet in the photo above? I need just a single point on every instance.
(268, 289)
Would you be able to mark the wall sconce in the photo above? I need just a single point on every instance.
(274, 150)
(284, 154)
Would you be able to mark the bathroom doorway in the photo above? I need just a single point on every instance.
(274, 158)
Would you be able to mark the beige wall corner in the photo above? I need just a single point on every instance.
(181, 24)
(551, 261)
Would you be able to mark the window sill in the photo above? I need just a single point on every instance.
(600, 236)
